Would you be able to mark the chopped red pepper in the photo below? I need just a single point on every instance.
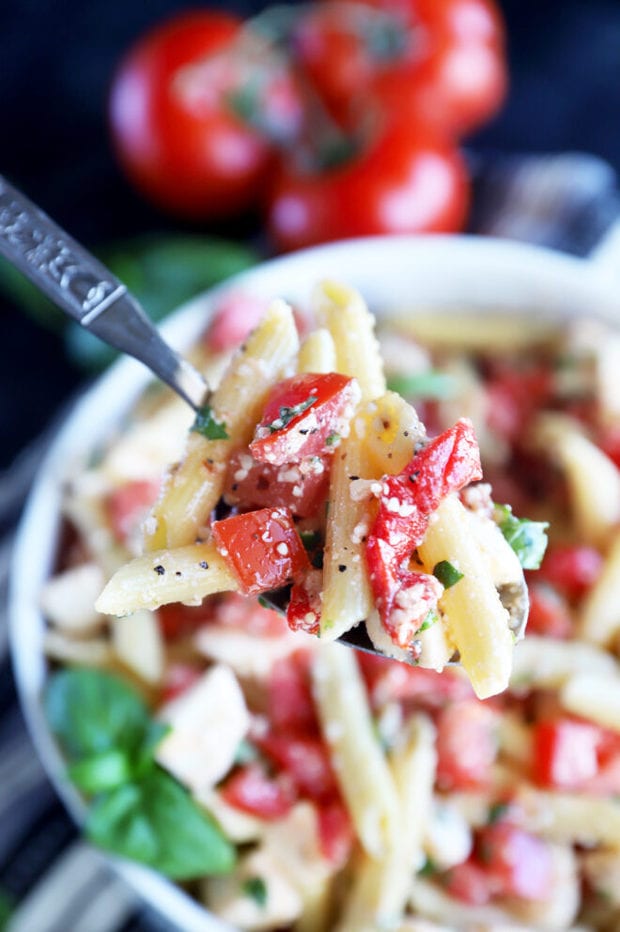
(408, 499)
(263, 549)
(305, 416)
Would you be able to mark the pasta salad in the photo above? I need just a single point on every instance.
(289, 781)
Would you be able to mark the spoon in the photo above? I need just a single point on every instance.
(88, 292)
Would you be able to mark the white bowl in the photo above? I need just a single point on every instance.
(394, 274)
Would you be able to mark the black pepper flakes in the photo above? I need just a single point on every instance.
(353, 478)
(203, 565)
(342, 567)
(159, 569)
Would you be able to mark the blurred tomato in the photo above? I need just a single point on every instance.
(174, 128)
(407, 179)
(440, 59)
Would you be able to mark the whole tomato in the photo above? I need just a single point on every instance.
(175, 112)
(406, 179)
(443, 59)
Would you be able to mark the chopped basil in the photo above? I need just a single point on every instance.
(207, 425)
(429, 621)
(246, 752)
(332, 440)
(256, 889)
(436, 386)
(310, 539)
(527, 538)
(428, 869)
(497, 811)
(447, 573)
(287, 414)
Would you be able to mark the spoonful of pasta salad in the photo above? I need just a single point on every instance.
(309, 484)
(306, 482)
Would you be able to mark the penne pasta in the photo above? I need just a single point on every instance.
(317, 353)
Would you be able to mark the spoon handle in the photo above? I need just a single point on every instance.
(86, 290)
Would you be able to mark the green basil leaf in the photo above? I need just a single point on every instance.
(157, 823)
(289, 412)
(208, 426)
(447, 573)
(92, 712)
(436, 386)
(101, 772)
(527, 538)
(256, 889)
(429, 621)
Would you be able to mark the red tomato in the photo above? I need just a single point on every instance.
(469, 883)
(408, 179)
(127, 506)
(305, 760)
(387, 680)
(517, 862)
(569, 753)
(300, 487)
(446, 464)
(177, 620)
(573, 569)
(235, 316)
(335, 832)
(441, 58)
(237, 611)
(549, 614)
(251, 790)
(262, 547)
(305, 415)
(304, 608)
(466, 745)
(290, 706)
(174, 130)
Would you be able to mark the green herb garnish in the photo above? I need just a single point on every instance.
(207, 425)
(288, 413)
(447, 573)
(332, 440)
(527, 538)
(433, 385)
(429, 621)
(428, 869)
(497, 811)
(256, 889)
(138, 810)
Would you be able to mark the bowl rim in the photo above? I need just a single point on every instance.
(38, 532)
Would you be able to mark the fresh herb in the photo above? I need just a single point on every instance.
(447, 573)
(429, 621)
(332, 440)
(6, 909)
(497, 811)
(256, 889)
(207, 425)
(432, 385)
(428, 869)
(138, 810)
(527, 538)
(246, 752)
(310, 539)
(288, 413)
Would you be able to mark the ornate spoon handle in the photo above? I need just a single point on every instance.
(85, 290)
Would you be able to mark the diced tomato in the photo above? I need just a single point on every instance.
(573, 569)
(290, 706)
(466, 745)
(388, 680)
(237, 611)
(263, 549)
(127, 506)
(513, 395)
(517, 862)
(610, 443)
(403, 597)
(178, 678)
(469, 883)
(251, 790)
(306, 760)
(303, 612)
(305, 415)
(300, 487)
(335, 832)
(549, 614)
(177, 620)
(569, 753)
(235, 316)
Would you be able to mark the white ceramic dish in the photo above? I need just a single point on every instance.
(394, 274)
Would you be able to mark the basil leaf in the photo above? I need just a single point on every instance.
(288, 413)
(433, 385)
(429, 621)
(101, 772)
(527, 538)
(256, 889)
(447, 573)
(208, 426)
(157, 823)
(92, 712)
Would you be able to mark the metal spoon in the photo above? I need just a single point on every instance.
(87, 291)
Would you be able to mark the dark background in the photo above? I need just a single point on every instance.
(56, 59)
